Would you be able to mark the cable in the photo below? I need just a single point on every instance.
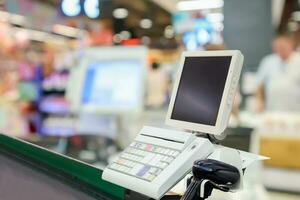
(191, 190)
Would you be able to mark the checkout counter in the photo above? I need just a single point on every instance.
(36, 172)
(31, 172)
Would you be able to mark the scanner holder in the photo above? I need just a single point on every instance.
(207, 187)
(226, 155)
(210, 174)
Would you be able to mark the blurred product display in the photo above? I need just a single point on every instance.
(278, 136)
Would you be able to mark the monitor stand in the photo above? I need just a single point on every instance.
(215, 139)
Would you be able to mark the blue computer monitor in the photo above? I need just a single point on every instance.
(109, 80)
(113, 84)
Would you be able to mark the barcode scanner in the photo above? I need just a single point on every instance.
(208, 175)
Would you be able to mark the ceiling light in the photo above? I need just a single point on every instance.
(17, 19)
(125, 35)
(66, 30)
(55, 38)
(70, 8)
(146, 23)
(38, 36)
(91, 8)
(12, 18)
(199, 4)
(120, 13)
(169, 32)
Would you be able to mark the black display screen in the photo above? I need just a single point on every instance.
(200, 89)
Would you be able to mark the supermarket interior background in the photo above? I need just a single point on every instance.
(81, 77)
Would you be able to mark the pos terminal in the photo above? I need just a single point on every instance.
(200, 108)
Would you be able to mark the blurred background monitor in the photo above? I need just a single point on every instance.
(109, 80)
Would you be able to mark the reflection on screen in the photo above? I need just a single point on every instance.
(200, 89)
(113, 84)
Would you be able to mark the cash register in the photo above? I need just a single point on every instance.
(198, 114)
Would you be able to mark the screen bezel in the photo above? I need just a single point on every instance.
(218, 128)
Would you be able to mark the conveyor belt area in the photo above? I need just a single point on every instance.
(21, 181)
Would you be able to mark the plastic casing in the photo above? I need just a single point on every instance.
(229, 91)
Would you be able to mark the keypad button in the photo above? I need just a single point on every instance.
(153, 170)
(144, 161)
(150, 177)
(162, 165)
(133, 144)
(136, 169)
(148, 158)
(143, 171)
(174, 153)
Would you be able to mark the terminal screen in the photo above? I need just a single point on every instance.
(200, 89)
(113, 84)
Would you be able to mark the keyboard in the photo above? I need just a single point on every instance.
(156, 160)
(144, 161)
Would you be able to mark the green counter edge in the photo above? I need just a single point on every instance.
(72, 167)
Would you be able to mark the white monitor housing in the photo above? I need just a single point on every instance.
(204, 91)
(109, 80)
